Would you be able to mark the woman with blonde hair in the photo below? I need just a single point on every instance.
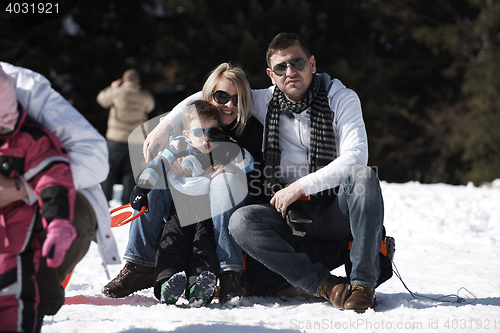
(228, 72)
(228, 89)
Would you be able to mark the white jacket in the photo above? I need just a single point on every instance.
(350, 137)
(87, 149)
(348, 127)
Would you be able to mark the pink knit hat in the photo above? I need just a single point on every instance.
(8, 102)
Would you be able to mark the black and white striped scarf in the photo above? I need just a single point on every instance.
(322, 139)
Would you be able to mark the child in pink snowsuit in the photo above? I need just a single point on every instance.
(31, 154)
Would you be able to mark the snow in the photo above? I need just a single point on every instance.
(447, 238)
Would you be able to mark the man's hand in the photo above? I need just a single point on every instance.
(8, 191)
(158, 136)
(286, 196)
(116, 83)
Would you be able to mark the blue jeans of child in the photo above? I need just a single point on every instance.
(227, 193)
(357, 211)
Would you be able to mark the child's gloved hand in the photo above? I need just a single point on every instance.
(60, 236)
(139, 198)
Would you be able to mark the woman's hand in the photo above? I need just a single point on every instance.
(286, 196)
(158, 136)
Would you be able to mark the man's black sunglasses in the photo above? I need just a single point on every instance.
(223, 97)
(297, 63)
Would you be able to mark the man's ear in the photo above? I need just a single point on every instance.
(312, 60)
(270, 73)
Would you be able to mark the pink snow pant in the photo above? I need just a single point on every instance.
(28, 287)
(19, 262)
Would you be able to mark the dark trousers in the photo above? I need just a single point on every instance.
(190, 249)
(120, 170)
(50, 279)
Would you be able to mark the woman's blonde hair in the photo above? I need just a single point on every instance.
(237, 76)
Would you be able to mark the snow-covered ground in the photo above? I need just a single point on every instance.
(447, 238)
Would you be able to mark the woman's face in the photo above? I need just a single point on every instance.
(229, 111)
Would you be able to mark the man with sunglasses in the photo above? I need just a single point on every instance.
(316, 153)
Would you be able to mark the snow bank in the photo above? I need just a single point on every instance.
(447, 237)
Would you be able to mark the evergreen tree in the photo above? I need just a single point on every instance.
(427, 73)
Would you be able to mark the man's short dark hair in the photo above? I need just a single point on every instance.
(131, 75)
(283, 41)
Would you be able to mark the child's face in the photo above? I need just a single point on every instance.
(201, 143)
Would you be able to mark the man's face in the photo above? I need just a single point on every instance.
(202, 143)
(293, 83)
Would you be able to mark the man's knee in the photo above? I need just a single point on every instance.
(362, 174)
(237, 223)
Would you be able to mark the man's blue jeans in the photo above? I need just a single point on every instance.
(227, 193)
(357, 211)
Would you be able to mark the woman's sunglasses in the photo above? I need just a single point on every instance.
(200, 131)
(222, 97)
(298, 64)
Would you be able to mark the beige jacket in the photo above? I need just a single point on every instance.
(129, 108)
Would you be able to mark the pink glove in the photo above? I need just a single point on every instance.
(60, 236)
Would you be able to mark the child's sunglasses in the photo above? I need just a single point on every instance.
(297, 63)
(222, 97)
(200, 131)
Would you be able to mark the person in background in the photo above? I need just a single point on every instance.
(316, 154)
(69, 96)
(129, 106)
(88, 157)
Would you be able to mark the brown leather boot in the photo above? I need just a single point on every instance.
(360, 298)
(335, 289)
(131, 278)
